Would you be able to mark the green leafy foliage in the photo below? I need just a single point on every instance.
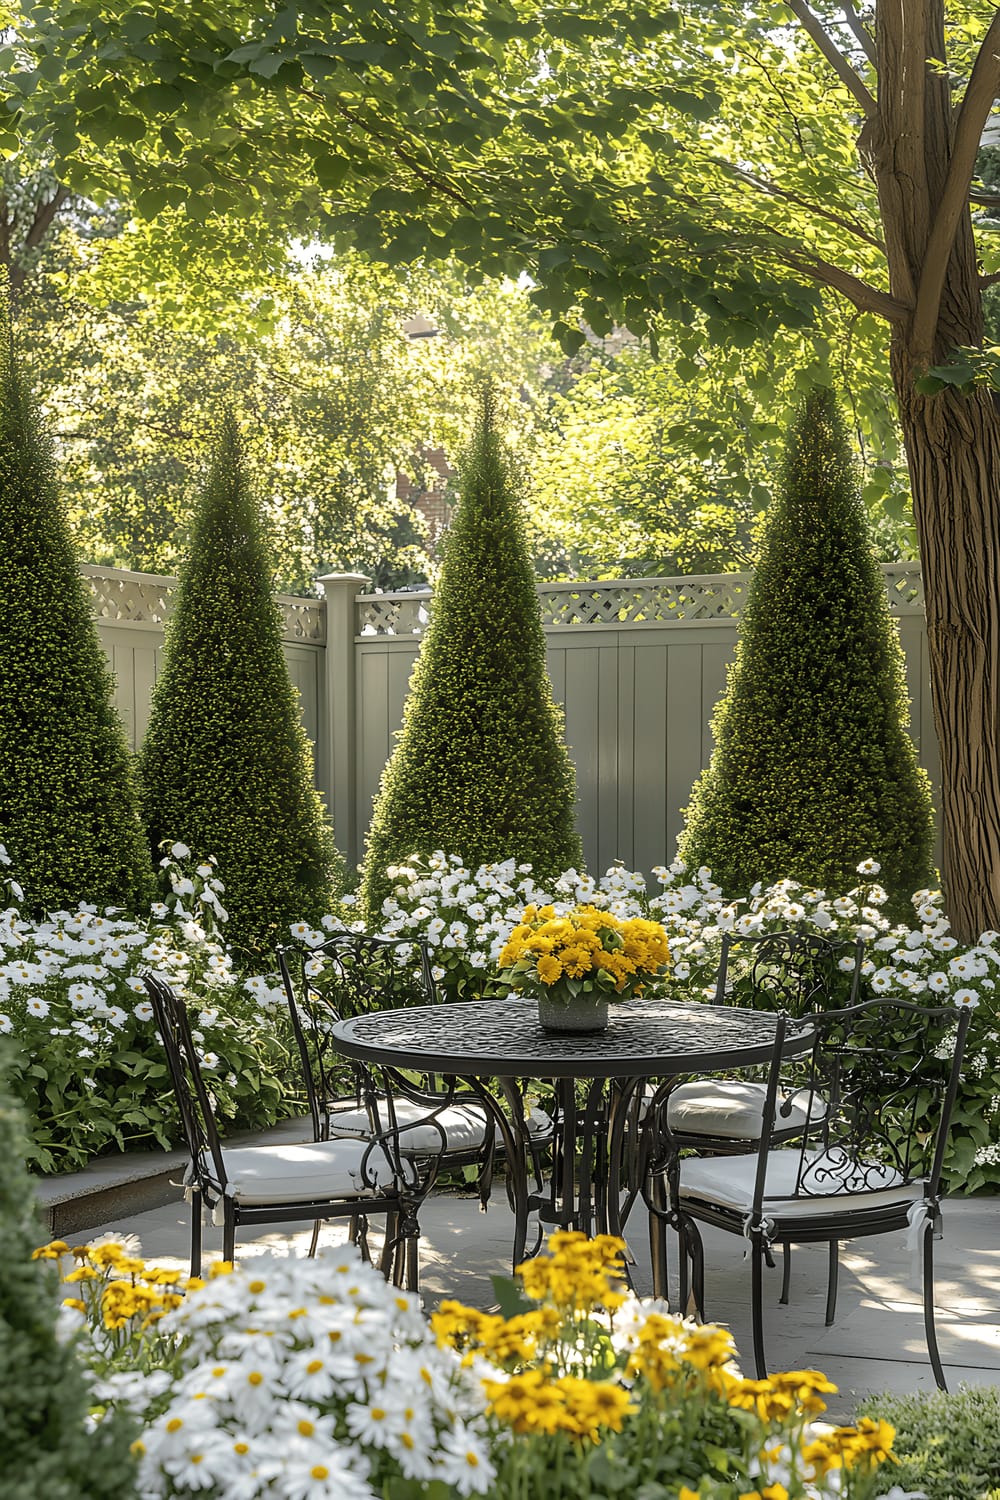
(226, 767)
(49, 1448)
(947, 1444)
(663, 467)
(313, 358)
(480, 767)
(813, 769)
(67, 802)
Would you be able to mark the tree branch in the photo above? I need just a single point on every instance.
(4, 233)
(990, 280)
(400, 151)
(774, 191)
(983, 87)
(865, 297)
(40, 226)
(860, 31)
(840, 64)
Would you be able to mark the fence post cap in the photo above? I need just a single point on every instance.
(326, 579)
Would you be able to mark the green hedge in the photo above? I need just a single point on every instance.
(48, 1449)
(226, 766)
(68, 809)
(948, 1444)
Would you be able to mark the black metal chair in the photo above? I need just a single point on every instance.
(320, 1180)
(353, 974)
(869, 1162)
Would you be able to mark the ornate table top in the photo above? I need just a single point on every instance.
(503, 1039)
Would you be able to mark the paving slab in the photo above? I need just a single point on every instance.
(876, 1343)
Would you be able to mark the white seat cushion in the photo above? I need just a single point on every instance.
(735, 1111)
(306, 1172)
(728, 1181)
(464, 1125)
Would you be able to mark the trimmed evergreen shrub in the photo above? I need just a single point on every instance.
(44, 1396)
(813, 770)
(68, 809)
(226, 766)
(480, 768)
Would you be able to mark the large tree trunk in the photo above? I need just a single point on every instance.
(953, 443)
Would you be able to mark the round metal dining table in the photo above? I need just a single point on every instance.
(498, 1044)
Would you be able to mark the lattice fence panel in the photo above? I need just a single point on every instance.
(140, 599)
(643, 601)
(122, 598)
(393, 614)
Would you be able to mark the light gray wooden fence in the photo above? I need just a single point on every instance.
(638, 666)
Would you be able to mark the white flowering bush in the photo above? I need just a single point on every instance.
(918, 960)
(84, 1057)
(285, 1377)
(466, 916)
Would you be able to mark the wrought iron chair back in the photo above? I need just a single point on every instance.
(342, 978)
(359, 973)
(796, 972)
(194, 1105)
(880, 1080)
(387, 1180)
(887, 1072)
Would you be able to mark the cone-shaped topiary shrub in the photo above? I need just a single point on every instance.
(480, 768)
(226, 766)
(68, 809)
(44, 1396)
(813, 769)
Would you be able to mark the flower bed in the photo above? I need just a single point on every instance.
(79, 1023)
(312, 1379)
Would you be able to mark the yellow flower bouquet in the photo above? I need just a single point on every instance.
(577, 961)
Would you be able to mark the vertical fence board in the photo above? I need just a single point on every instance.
(581, 736)
(622, 843)
(375, 723)
(684, 735)
(650, 793)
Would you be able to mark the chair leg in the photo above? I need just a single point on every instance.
(697, 1249)
(658, 1236)
(314, 1242)
(195, 1232)
(229, 1232)
(786, 1272)
(831, 1283)
(757, 1300)
(683, 1269)
(412, 1262)
(931, 1331)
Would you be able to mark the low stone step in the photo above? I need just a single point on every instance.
(133, 1182)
